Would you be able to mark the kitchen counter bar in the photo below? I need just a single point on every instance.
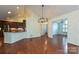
(11, 37)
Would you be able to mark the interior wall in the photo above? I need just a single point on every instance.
(73, 27)
(34, 28)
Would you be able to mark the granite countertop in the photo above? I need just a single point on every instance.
(15, 31)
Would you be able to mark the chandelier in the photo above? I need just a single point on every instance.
(43, 20)
(20, 12)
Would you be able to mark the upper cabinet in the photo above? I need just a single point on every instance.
(7, 26)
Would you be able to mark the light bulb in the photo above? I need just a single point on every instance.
(9, 12)
(17, 7)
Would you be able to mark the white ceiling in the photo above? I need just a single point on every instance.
(49, 10)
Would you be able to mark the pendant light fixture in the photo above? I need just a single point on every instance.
(43, 20)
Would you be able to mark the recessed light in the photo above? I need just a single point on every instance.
(9, 12)
(17, 7)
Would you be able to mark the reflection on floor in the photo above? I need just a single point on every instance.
(35, 46)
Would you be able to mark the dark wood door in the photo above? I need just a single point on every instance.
(1, 39)
(1, 35)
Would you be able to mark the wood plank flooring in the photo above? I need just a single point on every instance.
(40, 45)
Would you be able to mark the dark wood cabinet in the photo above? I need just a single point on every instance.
(7, 25)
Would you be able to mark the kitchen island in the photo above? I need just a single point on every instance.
(12, 37)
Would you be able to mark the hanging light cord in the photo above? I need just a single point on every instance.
(42, 10)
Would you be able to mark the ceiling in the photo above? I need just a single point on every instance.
(49, 10)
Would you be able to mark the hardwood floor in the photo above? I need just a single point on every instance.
(41, 45)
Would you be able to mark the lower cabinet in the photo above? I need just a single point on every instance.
(1, 42)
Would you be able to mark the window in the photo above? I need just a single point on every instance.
(65, 26)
